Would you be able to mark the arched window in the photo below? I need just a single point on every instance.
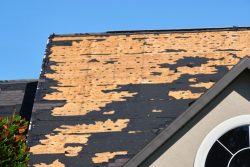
(227, 145)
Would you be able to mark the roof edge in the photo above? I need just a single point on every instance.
(18, 81)
(192, 111)
(159, 31)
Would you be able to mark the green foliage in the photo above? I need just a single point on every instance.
(13, 148)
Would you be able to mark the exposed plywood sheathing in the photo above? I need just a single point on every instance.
(56, 163)
(55, 143)
(106, 156)
(109, 112)
(77, 108)
(184, 94)
(203, 84)
(147, 79)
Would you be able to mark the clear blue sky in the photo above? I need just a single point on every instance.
(26, 24)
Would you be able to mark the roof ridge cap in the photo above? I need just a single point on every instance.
(152, 31)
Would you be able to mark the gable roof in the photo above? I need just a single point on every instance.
(110, 94)
(192, 111)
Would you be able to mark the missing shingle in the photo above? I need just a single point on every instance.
(93, 61)
(173, 50)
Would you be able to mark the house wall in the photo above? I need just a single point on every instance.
(183, 151)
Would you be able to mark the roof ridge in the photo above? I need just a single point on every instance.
(152, 31)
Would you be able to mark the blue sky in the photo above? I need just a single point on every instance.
(25, 25)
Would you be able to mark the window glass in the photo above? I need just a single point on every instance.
(231, 150)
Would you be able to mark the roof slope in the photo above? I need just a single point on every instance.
(103, 97)
(17, 96)
(190, 113)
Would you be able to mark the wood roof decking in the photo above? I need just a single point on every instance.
(102, 97)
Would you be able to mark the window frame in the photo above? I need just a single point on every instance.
(215, 134)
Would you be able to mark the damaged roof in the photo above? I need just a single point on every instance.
(103, 97)
(242, 67)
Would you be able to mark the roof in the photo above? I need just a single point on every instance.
(18, 81)
(190, 113)
(17, 96)
(162, 31)
(102, 98)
